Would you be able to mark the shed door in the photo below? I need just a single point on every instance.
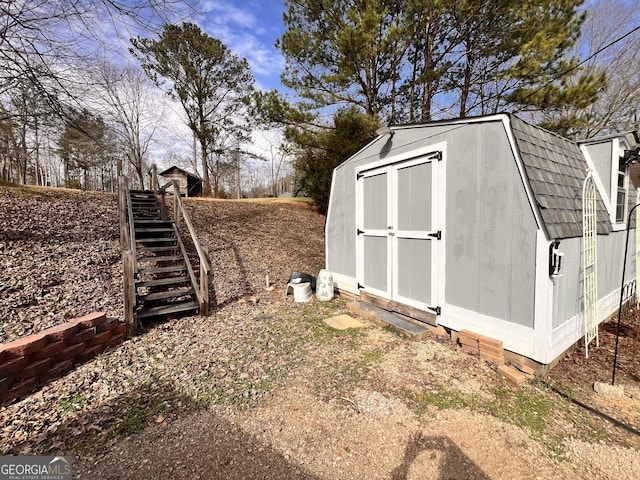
(398, 240)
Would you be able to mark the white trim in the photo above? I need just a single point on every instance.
(605, 194)
(345, 282)
(327, 221)
(543, 301)
(523, 176)
(515, 338)
(405, 156)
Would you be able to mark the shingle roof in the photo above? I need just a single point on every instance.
(556, 170)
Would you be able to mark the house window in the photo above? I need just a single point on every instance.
(621, 197)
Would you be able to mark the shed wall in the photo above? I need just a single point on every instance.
(601, 154)
(490, 231)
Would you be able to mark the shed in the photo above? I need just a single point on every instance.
(190, 184)
(476, 224)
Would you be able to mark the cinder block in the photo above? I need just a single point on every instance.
(91, 320)
(26, 345)
(49, 351)
(115, 340)
(60, 332)
(99, 339)
(82, 336)
(57, 370)
(71, 352)
(89, 353)
(13, 366)
(497, 359)
(514, 377)
(18, 390)
(36, 368)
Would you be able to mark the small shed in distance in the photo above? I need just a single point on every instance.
(190, 184)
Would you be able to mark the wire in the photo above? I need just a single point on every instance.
(597, 52)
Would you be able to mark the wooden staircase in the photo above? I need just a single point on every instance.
(159, 280)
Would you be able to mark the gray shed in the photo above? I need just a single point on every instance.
(476, 224)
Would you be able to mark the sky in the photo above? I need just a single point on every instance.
(250, 29)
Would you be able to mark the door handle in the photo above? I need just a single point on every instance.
(391, 234)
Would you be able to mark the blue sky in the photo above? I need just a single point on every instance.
(250, 29)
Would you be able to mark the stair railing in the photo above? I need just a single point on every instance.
(128, 248)
(201, 287)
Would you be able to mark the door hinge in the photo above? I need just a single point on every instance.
(360, 286)
(438, 156)
(359, 232)
(359, 176)
(437, 310)
(437, 235)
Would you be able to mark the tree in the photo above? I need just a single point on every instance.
(326, 149)
(212, 85)
(128, 100)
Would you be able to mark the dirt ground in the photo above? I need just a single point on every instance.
(264, 389)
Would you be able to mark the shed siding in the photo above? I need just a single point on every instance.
(567, 292)
(178, 177)
(491, 229)
(601, 154)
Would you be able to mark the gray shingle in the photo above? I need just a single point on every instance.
(556, 171)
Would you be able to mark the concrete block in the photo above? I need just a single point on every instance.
(107, 326)
(115, 340)
(490, 342)
(57, 370)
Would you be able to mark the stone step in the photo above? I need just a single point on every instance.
(384, 318)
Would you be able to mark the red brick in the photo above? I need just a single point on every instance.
(19, 390)
(13, 366)
(121, 328)
(89, 353)
(99, 339)
(57, 370)
(26, 345)
(469, 350)
(107, 326)
(36, 368)
(469, 334)
(4, 355)
(82, 336)
(71, 352)
(468, 341)
(91, 320)
(5, 383)
(60, 332)
(497, 359)
(49, 351)
(522, 367)
(512, 376)
(491, 342)
(491, 350)
(115, 340)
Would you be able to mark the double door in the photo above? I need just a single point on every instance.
(399, 219)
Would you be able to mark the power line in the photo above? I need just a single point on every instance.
(597, 52)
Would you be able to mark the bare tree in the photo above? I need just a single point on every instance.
(128, 99)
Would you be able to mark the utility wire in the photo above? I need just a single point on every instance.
(600, 50)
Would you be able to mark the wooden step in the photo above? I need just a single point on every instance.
(151, 222)
(179, 292)
(172, 268)
(160, 259)
(168, 309)
(153, 230)
(163, 281)
(156, 239)
(166, 248)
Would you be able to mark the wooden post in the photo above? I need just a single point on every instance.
(204, 290)
(128, 259)
(163, 210)
(176, 199)
(122, 209)
(154, 177)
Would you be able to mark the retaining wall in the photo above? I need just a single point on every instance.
(31, 361)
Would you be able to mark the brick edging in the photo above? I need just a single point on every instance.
(31, 361)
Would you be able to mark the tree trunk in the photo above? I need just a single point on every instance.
(206, 183)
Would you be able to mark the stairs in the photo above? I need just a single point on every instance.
(163, 286)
